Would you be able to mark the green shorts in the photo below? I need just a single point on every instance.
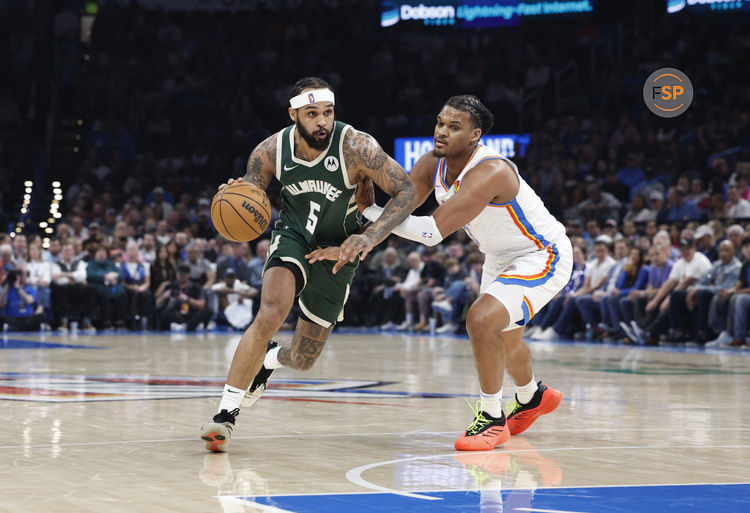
(323, 293)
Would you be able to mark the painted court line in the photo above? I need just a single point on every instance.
(354, 475)
(328, 435)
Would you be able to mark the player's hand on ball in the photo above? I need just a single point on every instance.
(356, 245)
(329, 253)
(365, 193)
(231, 181)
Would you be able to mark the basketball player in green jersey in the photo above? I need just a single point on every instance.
(318, 161)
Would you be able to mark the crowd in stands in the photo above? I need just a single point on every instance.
(171, 104)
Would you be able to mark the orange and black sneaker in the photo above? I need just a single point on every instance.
(218, 432)
(484, 434)
(522, 416)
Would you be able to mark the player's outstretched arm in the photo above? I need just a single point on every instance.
(261, 166)
(364, 155)
(491, 181)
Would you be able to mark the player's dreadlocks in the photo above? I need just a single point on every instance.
(480, 116)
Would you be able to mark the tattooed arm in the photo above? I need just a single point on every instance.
(364, 156)
(261, 166)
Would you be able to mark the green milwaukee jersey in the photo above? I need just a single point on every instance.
(317, 200)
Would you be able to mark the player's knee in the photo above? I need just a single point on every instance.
(270, 317)
(481, 321)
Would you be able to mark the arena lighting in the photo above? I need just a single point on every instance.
(55, 184)
(12, 235)
(28, 183)
(50, 220)
(23, 210)
(57, 215)
(28, 190)
(57, 190)
(18, 230)
(42, 225)
(79, 122)
(27, 196)
(45, 243)
(49, 230)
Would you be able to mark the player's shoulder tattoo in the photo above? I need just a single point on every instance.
(361, 150)
(262, 163)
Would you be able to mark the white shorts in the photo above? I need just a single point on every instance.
(528, 282)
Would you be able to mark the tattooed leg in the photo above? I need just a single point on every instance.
(309, 339)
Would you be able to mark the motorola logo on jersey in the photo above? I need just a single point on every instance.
(331, 163)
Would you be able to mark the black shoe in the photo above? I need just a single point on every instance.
(218, 432)
(258, 386)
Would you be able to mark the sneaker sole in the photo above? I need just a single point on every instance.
(216, 436)
(482, 442)
(549, 403)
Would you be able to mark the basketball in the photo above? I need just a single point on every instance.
(241, 212)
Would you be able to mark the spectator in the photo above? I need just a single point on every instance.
(20, 248)
(737, 207)
(40, 277)
(704, 307)
(633, 276)
(20, 311)
(599, 205)
(690, 268)
(739, 304)
(450, 303)
(387, 301)
(235, 300)
(704, 240)
(679, 208)
(233, 260)
(7, 262)
(201, 270)
(255, 265)
(137, 281)
(69, 297)
(698, 194)
(162, 233)
(609, 324)
(148, 247)
(182, 304)
(409, 289)
(163, 271)
(631, 175)
(638, 213)
(159, 206)
(106, 280)
(581, 302)
(433, 276)
(659, 271)
(735, 233)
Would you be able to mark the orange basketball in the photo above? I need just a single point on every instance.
(241, 212)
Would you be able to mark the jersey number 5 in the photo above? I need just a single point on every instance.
(312, 219)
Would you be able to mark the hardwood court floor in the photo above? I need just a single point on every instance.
(109, 423)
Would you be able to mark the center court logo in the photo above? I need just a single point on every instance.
(668, 92)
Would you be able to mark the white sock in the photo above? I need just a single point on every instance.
(491, 403)
(525, 393)
(271, 361)
(231, 398)
(410, 318)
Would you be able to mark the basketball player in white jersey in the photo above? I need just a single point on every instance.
(528, 260)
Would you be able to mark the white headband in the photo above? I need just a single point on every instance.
(310, 97)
